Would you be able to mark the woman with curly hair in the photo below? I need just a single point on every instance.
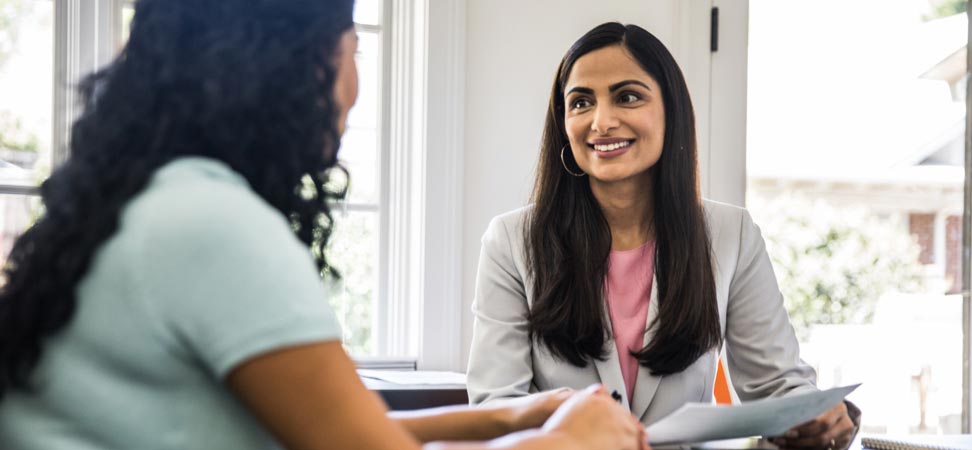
(170, 296)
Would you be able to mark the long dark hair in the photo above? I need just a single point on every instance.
(247, 82)
(568, 239)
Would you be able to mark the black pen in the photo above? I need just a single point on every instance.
(616, 396)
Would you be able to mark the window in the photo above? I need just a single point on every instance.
(357, 236)
(855, 166)
(46, 46)
(35, 116)
(400, 150)
(26, 87)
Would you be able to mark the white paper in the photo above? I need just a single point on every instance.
(414, 377)
(699, 422)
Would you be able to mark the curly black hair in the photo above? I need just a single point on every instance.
(247, 82)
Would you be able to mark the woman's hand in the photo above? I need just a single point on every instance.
(533, 410)
(593, 420)
(832, 430)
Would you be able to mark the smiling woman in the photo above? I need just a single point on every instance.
(607, 119)
(620, 273)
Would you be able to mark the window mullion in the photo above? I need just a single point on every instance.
(13, 189)
(67, 42)
(367, 28)
(87, 35)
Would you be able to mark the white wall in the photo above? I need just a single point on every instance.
(512, 50)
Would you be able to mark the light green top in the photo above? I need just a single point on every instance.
(201, 276)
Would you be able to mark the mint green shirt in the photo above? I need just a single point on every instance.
(201, 276)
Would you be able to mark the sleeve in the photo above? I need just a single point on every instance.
(761, 347)
(500, 358)
(227, 280)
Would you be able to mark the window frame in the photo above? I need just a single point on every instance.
(728, 116)
(421, 285)
(80, 47)
(378, 207)
(422, 45)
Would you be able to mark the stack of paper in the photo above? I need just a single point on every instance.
(699, 422)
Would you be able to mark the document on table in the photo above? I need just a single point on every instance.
(699, 422)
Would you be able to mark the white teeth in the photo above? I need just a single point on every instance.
(611, 147)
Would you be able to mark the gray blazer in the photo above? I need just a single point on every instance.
(762, 353)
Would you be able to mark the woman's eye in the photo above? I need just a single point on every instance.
(580, 103)
(628, 98)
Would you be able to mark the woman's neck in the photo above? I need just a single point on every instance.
(627, 206)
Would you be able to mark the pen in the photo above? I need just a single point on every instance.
(616, 396)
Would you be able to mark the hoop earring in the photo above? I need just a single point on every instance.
(564, 162)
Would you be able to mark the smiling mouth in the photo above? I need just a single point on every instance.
(612, 146)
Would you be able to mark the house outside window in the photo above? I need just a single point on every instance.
(855, 170)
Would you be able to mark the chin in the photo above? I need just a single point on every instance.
(610, 177)
(614, 174)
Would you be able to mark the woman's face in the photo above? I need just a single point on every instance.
(346, 83)
(614, 115)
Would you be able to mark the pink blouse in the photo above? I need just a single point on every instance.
(628, 291)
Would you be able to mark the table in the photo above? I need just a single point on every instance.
(403, 397)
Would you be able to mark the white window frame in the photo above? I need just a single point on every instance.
(417, 317)
(87, 34)
(419, 298)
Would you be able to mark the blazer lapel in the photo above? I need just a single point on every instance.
(609, 370)
(647, 384)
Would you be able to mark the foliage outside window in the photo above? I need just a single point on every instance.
(19, 141)
(833, 265)
(945, 8)
(353, 249)
(11, 14)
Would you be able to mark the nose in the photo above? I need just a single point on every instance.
(605, 119)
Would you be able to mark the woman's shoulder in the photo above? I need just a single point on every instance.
(510, 222)
(729, 224)
(722, 209)
(198, 183)
(720, 214)
(201, 198)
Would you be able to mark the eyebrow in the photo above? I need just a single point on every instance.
(611, 88)
(582, 90)
(624, 83)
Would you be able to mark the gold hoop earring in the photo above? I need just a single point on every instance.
(564, 162)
